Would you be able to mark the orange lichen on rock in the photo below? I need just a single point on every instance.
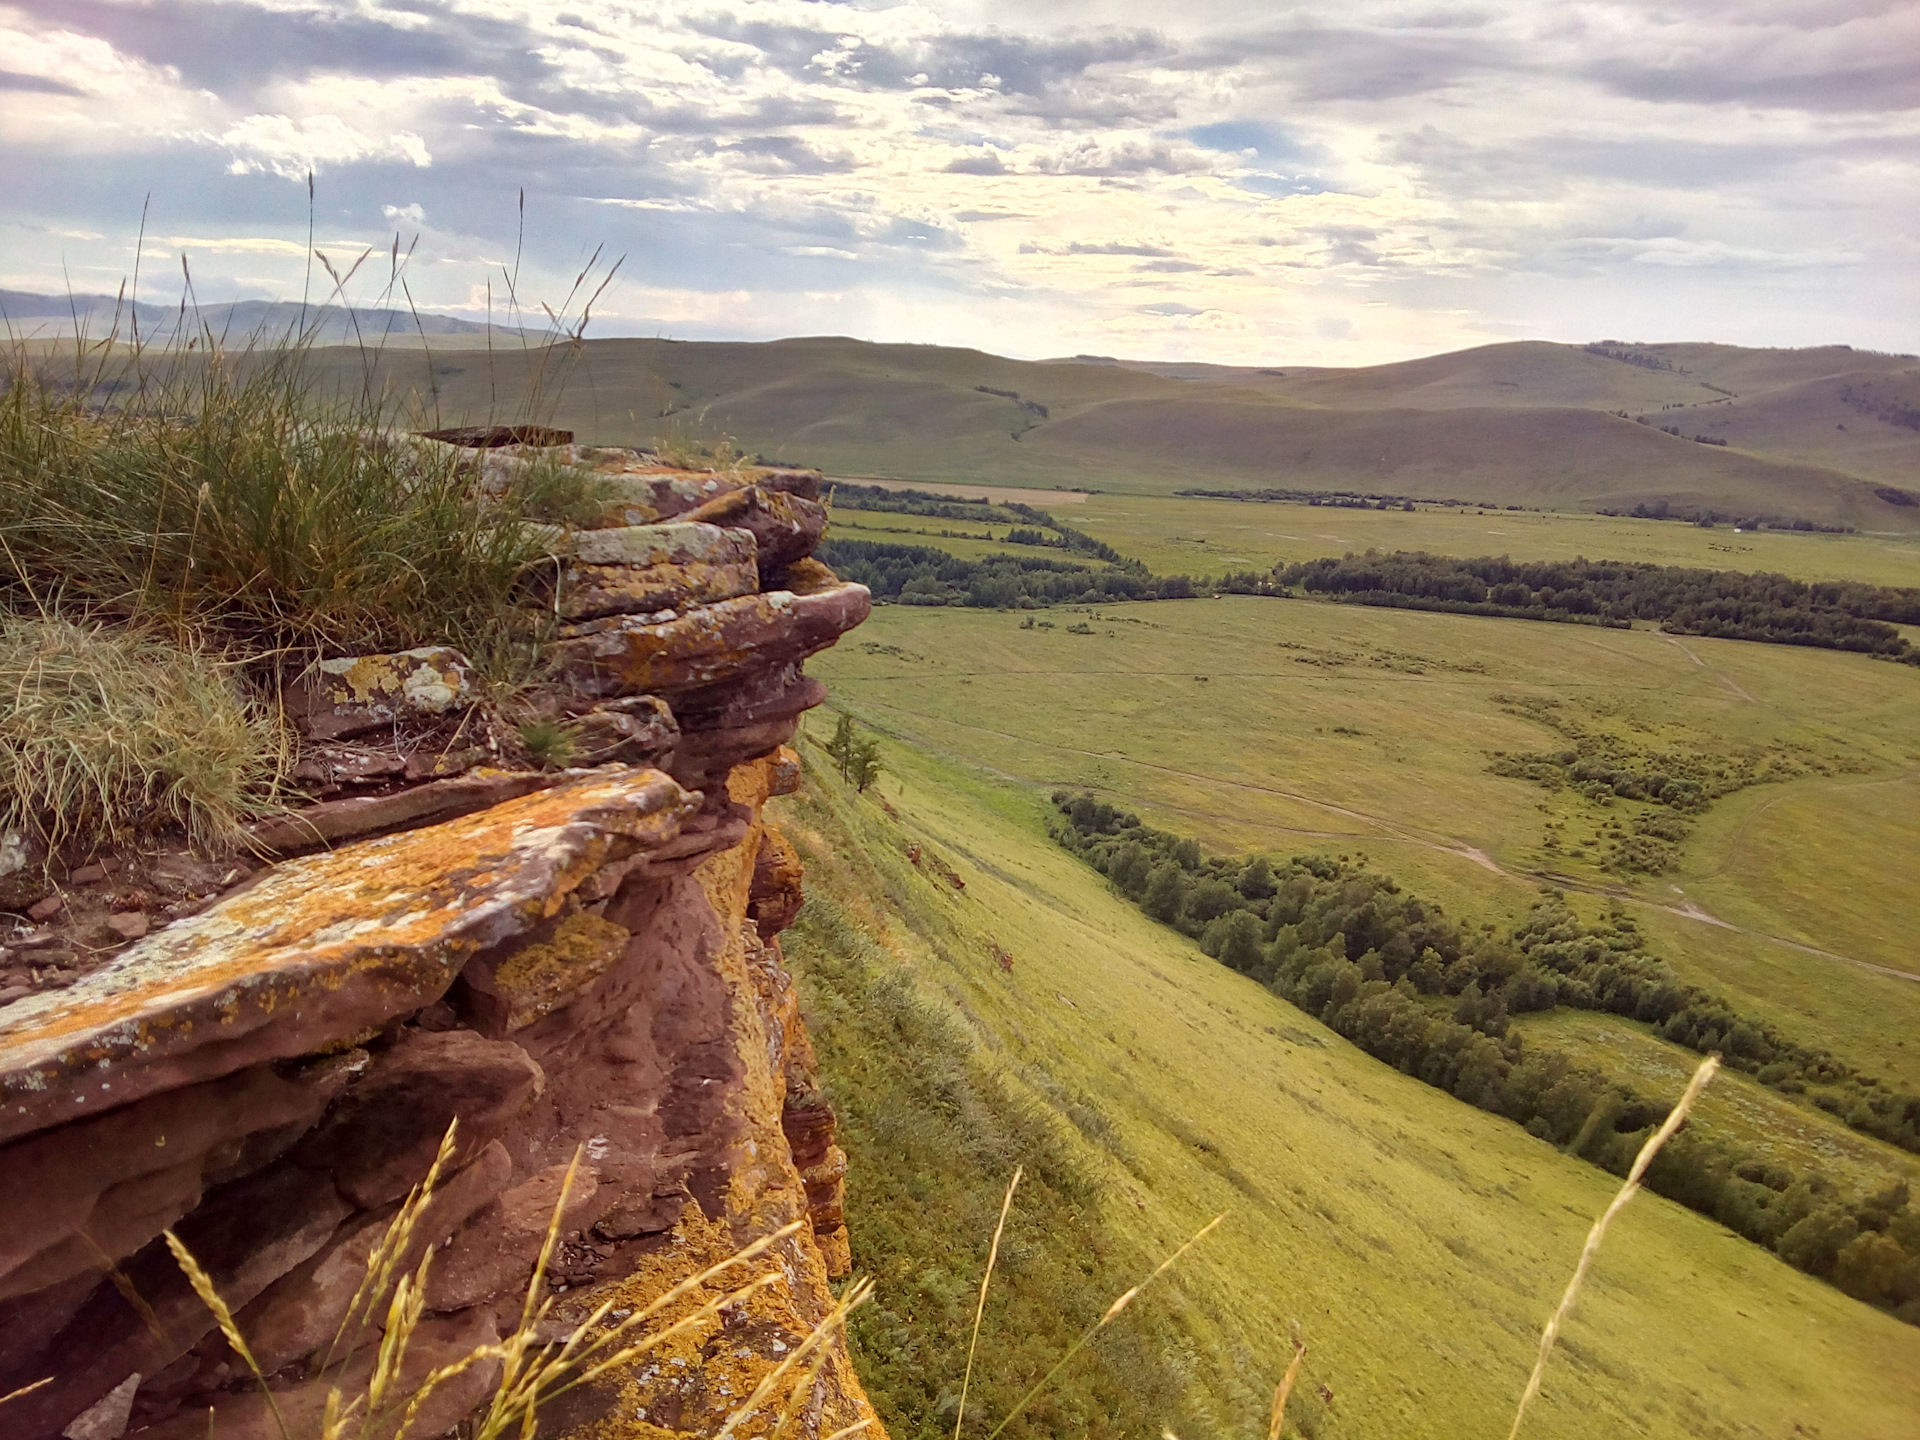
(548, 973)
(320, 947)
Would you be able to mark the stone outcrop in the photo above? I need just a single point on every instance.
(578, 966)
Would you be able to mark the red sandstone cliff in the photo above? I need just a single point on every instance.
(579, 963)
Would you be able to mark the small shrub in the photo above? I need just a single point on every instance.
(550, 743)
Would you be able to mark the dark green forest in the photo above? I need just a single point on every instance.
(1724, 604)
(1435, 997)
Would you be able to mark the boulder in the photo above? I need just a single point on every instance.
(244, 1237)
(352, 694)
(643, 569)
(300, 1314)
(439, 1342)
(380, 1137)
(124, 1176)
(333, 821)
(630, 730)
(776, 896)
(509, 994)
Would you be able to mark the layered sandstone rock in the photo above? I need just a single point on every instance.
(579, 965)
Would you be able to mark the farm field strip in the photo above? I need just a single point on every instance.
(1201, 536)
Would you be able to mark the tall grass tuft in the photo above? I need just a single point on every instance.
(237, 492)
(107, 734)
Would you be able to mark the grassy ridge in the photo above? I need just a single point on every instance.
(1418, 1243)
(1524, 424)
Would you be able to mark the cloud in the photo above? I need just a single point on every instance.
(1096, 247)
(37, 84)
(980, 162)
(1006, 174)
(293, 149)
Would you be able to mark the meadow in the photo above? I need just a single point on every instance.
(1415, 1244)
(1283, 725)
(1199, 536)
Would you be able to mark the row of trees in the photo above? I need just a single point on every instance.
(987, 512)
(1706, 516)
(1338, 499)
(1835, 615)
(921, 575)
(1415, 988)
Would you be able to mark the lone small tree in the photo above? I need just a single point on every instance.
(856, 757)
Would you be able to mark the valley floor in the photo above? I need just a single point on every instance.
(1416, 1243)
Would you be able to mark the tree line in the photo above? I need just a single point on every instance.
(922, 575)
(1435, 998)
(987, 512)
(1706, 517)
(1727, 604)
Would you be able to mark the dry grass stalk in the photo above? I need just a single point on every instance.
(25, 1389)
(533, 1369)
(1113, 1313)
(980, 1309)
(1284, 1389)
(857, 1294)
(398, 1239)
(203, 1286)
(1659, 1138)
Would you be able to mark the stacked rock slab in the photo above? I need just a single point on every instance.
(580, 967)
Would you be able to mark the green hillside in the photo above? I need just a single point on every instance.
(1258, 723)
(1811, 434)
(1416, 1243)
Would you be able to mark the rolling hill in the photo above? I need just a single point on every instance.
(1826, 435)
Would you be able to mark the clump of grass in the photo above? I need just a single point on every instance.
(107, 734)
(684, 449)
(551, 743)
(233, 492)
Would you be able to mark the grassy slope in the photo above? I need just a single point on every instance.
(1367, 729)
(1418, 1242)
(1459, 425)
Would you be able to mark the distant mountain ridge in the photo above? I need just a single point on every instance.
(34, 315)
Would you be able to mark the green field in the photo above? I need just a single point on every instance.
(1294, 725)
(1205, 537)
(1418, 1244)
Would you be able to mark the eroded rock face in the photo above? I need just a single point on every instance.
(571, 973)
(578, 970)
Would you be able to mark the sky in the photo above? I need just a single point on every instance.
(1329, 181)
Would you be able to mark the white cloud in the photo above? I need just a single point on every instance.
(293, 148)
(1221, 176)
